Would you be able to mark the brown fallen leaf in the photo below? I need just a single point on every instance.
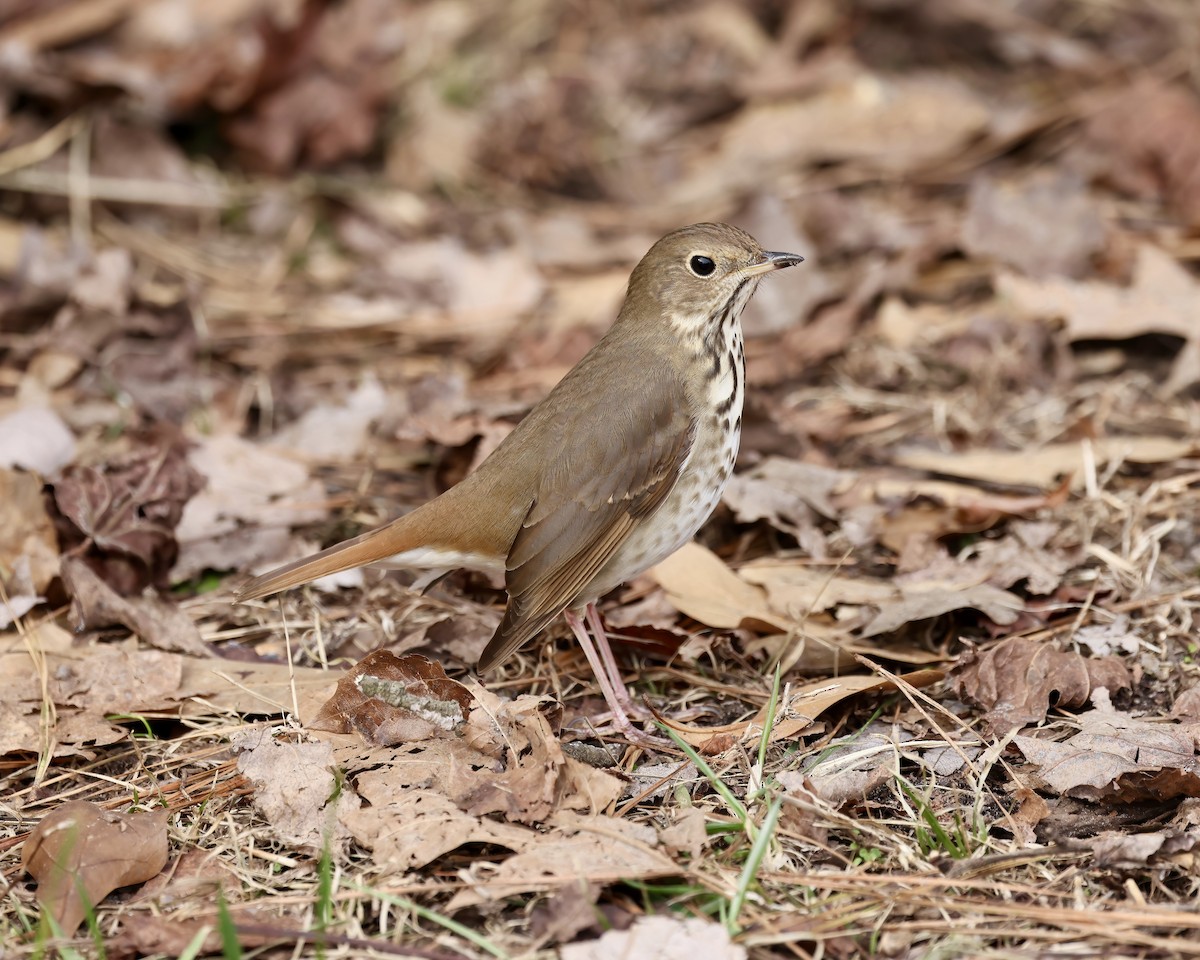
(81, 852)
(251, 499)
(523, 731)
(571, 848)
(1005, 220)
(897, 123)
(791, 598)
(407, 829)
(88, 682)
(388, 699)
(1149, 130)
(1118, 758)
(1019, 679)
(26, 531)
(160, 623)
(788, 494)
(798, 590)
(508, 760)
(121, 515)
(293, 785)
(1162, 298)
(698, 583)
(934, 508)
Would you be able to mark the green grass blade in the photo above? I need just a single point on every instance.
(472, 936)
(750, 870)
(734, 805)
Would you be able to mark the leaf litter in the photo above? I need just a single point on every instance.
(964, 514)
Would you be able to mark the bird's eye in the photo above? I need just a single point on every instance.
(701, 265)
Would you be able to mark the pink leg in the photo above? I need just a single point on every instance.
(619, 715)
(616, 681)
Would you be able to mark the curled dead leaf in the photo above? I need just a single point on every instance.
(159, 622)
(389, 699)
(123, 513)
(81, 852)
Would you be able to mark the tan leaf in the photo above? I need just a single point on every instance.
(1045, 466)
(293, 783)
(595, 849)
(410, 828)
(803, 706)
(81, 852)
(160, 623)
(662, 937)
(1163, 298)
(27, 540)
(700, 585)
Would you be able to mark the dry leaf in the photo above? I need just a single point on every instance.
(89, 681)
(35, 438)
(565, 913)
(897, 123)
(699, 584)
(796, 715)
(161, 623)
(125, 511)
(1118, 758)
(1045, 466)
(1136, 851)
(334, 433)
(1007, 220)
(594, 849)
(409, 828)
(293, 786)
(797, 590)
(1018, 680)
(251, 498)
(1163, 298)
(664, 938)
(81, 852)
(388, 699)
(1149, 129)
(785, 493)
(917, 507)
(26, 536)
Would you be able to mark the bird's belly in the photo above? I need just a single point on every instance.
(682, 513)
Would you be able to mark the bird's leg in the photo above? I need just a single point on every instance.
(616, 681)
(620, 716)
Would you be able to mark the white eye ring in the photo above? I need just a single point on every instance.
(701, 265)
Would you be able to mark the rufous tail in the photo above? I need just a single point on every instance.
(370, 547)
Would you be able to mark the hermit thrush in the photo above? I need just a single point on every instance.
(608, 475)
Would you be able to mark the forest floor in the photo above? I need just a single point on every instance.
(273, 272)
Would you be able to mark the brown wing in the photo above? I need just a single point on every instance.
(611, 469)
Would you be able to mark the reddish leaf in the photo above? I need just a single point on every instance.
(389, 699)
(124, 512)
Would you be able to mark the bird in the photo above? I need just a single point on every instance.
(609, 474)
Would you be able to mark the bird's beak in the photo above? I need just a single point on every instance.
(773, 261)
